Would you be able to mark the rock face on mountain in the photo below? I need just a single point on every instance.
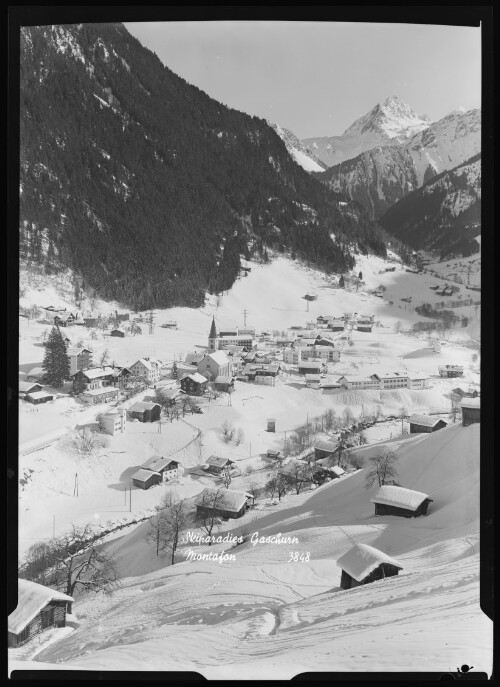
(380, 177)
(303, 157)
(389, 123)
(443, 215)
(149, 189)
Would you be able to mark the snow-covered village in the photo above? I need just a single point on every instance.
(278, 476)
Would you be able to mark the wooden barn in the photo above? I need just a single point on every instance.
(37, 397)
(224, 383)
(364, 327)
(118, 332)
(39, 608)
(145, 411)
(425, 423)
(29, 388)
(392, 500)
(471, 411)
(310, 368)
(325, 449)
(144, 479)
(364, 564)
(154, 471)
(217, 465)
(226, 503)
(194, 384)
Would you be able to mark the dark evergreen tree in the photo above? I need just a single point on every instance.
(56, 363)
(342, 282)
(360, 275)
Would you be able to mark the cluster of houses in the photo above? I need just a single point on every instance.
(385, 380)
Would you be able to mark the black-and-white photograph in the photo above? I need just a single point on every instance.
(249, 348)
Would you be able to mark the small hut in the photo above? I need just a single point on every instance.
(28, 388)
(224, 383)
(217, 464)
(324, 449)
(226, 503)
(37, 397)
(118, 332)
(364, 564)
(145, 411)
(38, 608)
(471, 411)
(392, 500)
(425, 423)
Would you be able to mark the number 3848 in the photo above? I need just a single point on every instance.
(296, 557)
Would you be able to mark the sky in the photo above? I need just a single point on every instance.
(316, 78)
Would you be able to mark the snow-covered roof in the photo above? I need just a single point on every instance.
(171, 393)
(417, 375)
(471, 403)
(224, 499)
(24, 387)
(31, 598)
(196, 377)
(117, 372)
(35, 372)
(310, 365)
(193, 356)
(237, 337)
(218, 461)
(99, 392)
(157, 463)
(329, 446)
(149, 363)
(118, 329)
(362, 560)
(96, 372)
(113, 412)
(224, 379)
(141, 406)
(390, 495)
(219, 357)
(142, 475)
(77, 350)
(337, 470)
(39, 394)
(425, 420)
(355, 378)
(312, 378)
(391, 375)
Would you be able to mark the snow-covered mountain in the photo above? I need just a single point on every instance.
(381, 176)
(389, 123)
(444, 215)
(305, 158)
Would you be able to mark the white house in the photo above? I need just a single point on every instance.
(358, 382)
(147, 368)
(80, 358)
(391, 380)
(293, 356)
(417, 380)
(114, 421)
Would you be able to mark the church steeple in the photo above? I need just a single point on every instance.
(212, 337)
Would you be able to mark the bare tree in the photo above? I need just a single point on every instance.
(298, 476)
(167, 525)
(85, 442)
(240, 436)
(98, 419)
(93, 334)
(348, 416)
(329, 419)
(76, 560)
(382, 468)
(208, 516)
(272, 486)
(227, 431)
(226, 477)
(282, 484)
(104, 359)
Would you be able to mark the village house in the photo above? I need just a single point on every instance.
(312, 381)
(324, 353)
(80, 358)
(95, 378)
(120, 377)
(244, 340)
(364, 564)
(246, 331)
(180, 370)
(417, 380)
(118, 332)
(147, 368)
(275, 455)
(325, 449)
(145, 411)
(310, 367)
(391, 380)
(36, 374)
(102, 394)
(358, 382)
(328, 386)
(171, 395)
(217, 465)
(392, 500)
(224, 383)
(28, 388)
(471, 411)
(458, 394)
(216, 364)
(90, 321)
(425, 423)
(293, 356)
(336, 325)
(194, 357)
(194, 384)
(367, 327)
(114, 421)
(38, 608)
(225, 503)
(37, 397)
(451, 371)
(155, 470)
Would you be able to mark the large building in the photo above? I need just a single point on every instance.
(243, 337)
(358, 382)
(391, 380)
(147, 368)
(80, 358)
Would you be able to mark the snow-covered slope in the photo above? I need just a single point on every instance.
(383, 175)
(389, 123)
(302, 156)
(259, 615)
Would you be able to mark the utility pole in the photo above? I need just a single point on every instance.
(75, 488)
(130, 499)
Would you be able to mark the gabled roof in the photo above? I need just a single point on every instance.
(218, 461)
(40, 394)
(310, 365)
(118, 329)
(95, 372)
(142, 475)
(329, 446)
(223, 499)
(193, 356)
(362, 560)
(219, 357)
(149, 363)
(196, 377)
(425, 420)
(471, 403)
(118, 371)
(337, 470)
(25, 387)
(171, 393)
(31, 598)
(391, 375)
(100, 391)
(355, 378)
(78, 350)
(224, 379)
(141, 406)
(400, 497)
(157, 463)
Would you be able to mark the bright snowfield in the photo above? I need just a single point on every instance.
(246, 602)
(260, 616)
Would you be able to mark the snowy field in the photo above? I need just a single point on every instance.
(274, 617)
